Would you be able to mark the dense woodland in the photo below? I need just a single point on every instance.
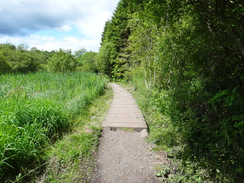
(187, 58)
(190, 56)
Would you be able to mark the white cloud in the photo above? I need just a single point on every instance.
(21, 20)
(50, 43)
(92, 26)
(64, 28)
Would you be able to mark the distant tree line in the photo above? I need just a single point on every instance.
(20, 59)
(192, 50)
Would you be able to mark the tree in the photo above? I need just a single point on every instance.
(4, 66)
(24, 62)
(87, 62)
(117, 32)
(80, 52)
(105, 58)
(17, 60)
(145, 53)
(22, 47)
(62, 61)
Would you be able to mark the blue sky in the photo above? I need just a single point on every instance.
(53, 24)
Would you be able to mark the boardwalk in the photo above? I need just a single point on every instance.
(124, 111)
(123, 155)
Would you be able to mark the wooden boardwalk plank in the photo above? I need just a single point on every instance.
(123, 111)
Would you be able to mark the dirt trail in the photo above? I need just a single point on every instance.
(124, 156)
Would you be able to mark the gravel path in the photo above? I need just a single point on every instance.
(123, 155)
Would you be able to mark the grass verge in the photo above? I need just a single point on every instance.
(71, 159)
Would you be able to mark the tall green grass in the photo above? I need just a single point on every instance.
(35, 110)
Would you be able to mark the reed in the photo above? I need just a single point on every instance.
(35, 110)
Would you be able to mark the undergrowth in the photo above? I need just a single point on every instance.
(156, 108)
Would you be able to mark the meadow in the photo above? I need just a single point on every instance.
(36, 110)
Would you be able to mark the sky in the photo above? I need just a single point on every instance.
(54, 24)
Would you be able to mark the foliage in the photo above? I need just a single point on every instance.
(105, 58)
(87, 62)
(20, 60)
(113, 50)
(24, 60)
(62, 61)
(4, 66)
(79, 53)
(36, 109)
